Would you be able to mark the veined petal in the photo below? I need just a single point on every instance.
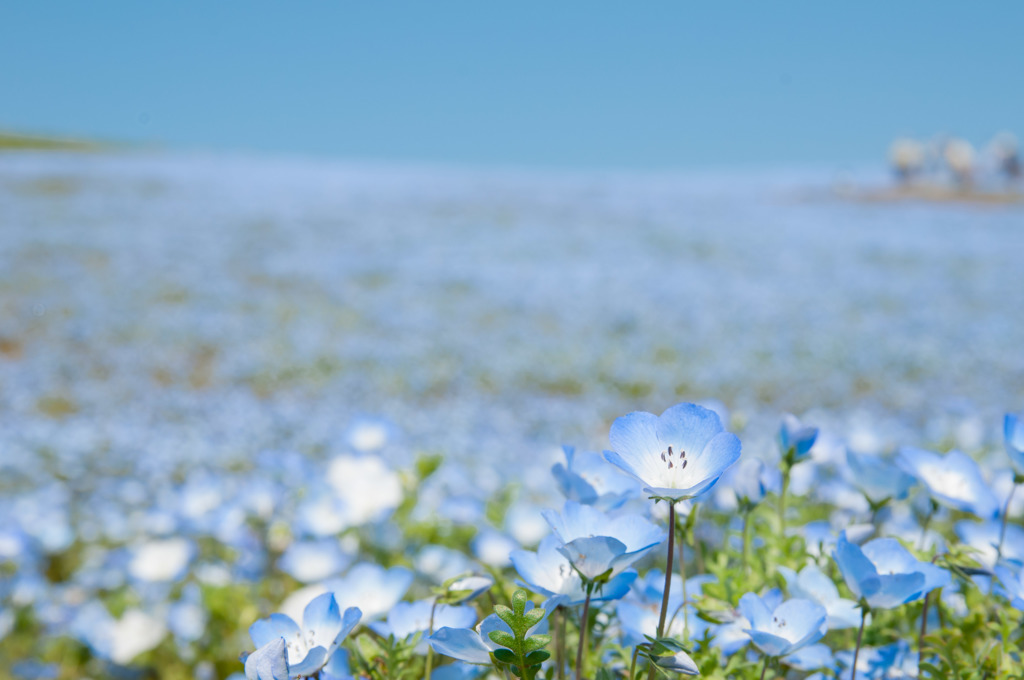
(322, 619)
(594, 555)
(896, 589)
(720, 452)
(634, 437)
(266, 630)
(680, 662)
(314, 661)
(349, 620)
(460, 643)
(269, 662)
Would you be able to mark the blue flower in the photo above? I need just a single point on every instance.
(408, 618)
(812, 584)
(677, 455)
(1011, 586)
(751, 480)
(954, 480)
(638, 612)
(795, 439)
(323, 629)
(786, 628)
(598, 545)
(548, 572)
(1013, 437)
(877, 478)
(588, 478)
(884, 573)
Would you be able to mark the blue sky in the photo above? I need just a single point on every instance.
(552, 84)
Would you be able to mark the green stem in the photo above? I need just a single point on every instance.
(632, 664)
(924, 631)
(682, 577)
(430, 648)
(560, 642)
(746, 542)
(668, 577)
(764, 668)
(860, 636)
(584, 624)
(782, 500)
(1002, 529)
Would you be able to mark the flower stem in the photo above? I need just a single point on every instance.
(746, 542)
(668, 577)
(632, 664)
(682, 577)
(584, 624)
(782, 499)
(560, 642)
(430, 649)
(860, 635)
(764, 668)
(924, 630)
(1006, 516)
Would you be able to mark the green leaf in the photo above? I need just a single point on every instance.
(519, 599)
(505, 655)
(506, 615)
(535, 642)
(534, 616)
(538, 657)
(502, 638)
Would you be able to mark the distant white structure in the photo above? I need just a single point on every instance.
(906, 157)
(1005, 152)
(960, 156)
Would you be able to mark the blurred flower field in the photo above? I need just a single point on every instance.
(233, 387)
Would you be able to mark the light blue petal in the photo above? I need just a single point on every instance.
(460, 643)
(811, 658)
(349, 620)
(275, 626)
(322, 619)
(269, 662)
(771, 645)
(593, 556)
(896, 589)
(687, 427)
(842, 613)
(314, 661)
(634, 437)
(753, 609)
(680, 662)
(859, 572)
(618, 461)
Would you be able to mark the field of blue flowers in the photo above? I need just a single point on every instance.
(280, 419)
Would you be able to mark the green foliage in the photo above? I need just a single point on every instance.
(523, 653)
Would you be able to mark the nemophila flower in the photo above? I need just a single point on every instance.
(307, 648)
(587, 478)
(1011, 585)
(884, 573)
(370, 587)
(408, 618)
(548, 572)
(677, 455)
(954, 480)
(369, 488)
(891, 662)
(1013, 438)
(984, 538)
(493, 548)
(749, 481)
(785, 628)
(118, 640)
(161, 560)
(731, 636)
(637, 613)
(877, 478)
(812, 584)
(475, 645)
(599, 545)
(811, 658)
(796, 439)
(309, 561)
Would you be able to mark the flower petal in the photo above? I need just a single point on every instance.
(460, 643)
(275, 626)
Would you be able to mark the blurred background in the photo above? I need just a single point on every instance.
(245, 238)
